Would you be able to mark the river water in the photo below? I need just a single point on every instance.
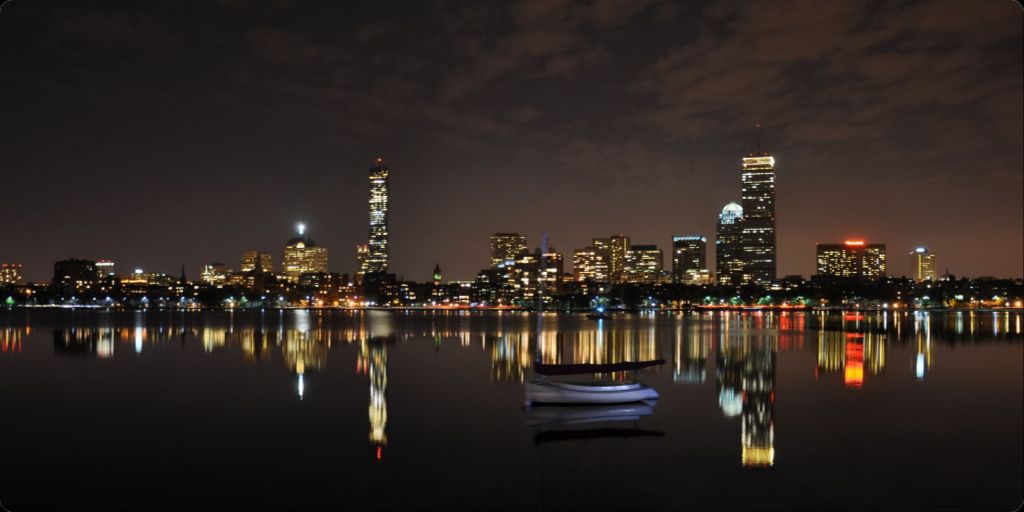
(417, 409)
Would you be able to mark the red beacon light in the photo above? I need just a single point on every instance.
(856, 243)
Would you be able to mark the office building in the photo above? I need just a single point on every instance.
(852, 258)
(644, 264)
(301, 255)
(551, 271)
(506, 248)
(257, 261)
(590, 263)
(10, 273)
(73, 276)
(377, 257)
(104, 269)
(689, 253)
(614, 249)
(362, 253)
(923, 265)
(759, 217)
(729, 261)
(215, 274)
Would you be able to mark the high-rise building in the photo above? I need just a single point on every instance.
(73, 276)
(377, 258)
(506, 248)
(852, 258)
(437, 274)
(301, 255)
(253, 259)
(10, 273)
(104, 269)
(590, 263)
(923, 264)
(729, 261)
(215, 274)
(614, 249)
(759, 217)
(362, 253)
(552, 268)
(644, 264)
(689, 257)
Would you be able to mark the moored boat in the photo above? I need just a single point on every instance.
(544, 392)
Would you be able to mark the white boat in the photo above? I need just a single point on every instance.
(551, 415)
(545, 392)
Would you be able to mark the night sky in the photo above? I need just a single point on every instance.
(163, 133)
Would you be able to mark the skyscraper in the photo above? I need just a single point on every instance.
(253, 259)
(923, 264)
(506, 248)
(729, 260)
(689, 257)
(377, 258)
(614, 249)
(643, 264)
(301, 255)
(852, 258)
(759, 217)
(590, 263)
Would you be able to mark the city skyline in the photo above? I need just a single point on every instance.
(613, 118)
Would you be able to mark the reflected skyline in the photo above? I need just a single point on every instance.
(723, 371)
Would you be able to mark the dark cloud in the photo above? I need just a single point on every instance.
(898, 121)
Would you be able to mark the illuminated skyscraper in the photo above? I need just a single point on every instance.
(852, 258)
(923, 264)
(10, 273)
(301, 254)
(506, 248)
(614, 249)
(729, 260)
(644, 264)
(377, 258)
(252, 259)
(689, 257)
(759, 217)
(590, 263)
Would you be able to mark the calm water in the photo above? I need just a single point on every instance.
(181, 411)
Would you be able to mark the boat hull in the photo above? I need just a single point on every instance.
(569, 393)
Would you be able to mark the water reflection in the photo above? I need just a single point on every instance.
(739, 351)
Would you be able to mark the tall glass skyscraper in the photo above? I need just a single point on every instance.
(377, 258)
(729, 259)
(759, 217)
(689, 253)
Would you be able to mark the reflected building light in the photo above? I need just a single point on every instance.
(919, 367)
(302, 320)
(138, 339)
(378, 409)
(105, 344)
(302, 385)
(853, 375)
